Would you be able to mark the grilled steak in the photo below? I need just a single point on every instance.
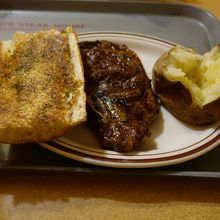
(120, 100)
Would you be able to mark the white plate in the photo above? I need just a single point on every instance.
(171, 142)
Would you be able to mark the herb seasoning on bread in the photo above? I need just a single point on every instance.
(41, 86)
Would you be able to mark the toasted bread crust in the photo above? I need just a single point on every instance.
(38, 90)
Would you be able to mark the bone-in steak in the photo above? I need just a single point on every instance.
(121, 104)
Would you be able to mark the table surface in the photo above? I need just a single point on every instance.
(25, 195)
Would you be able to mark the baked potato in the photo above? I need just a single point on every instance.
(188, 84)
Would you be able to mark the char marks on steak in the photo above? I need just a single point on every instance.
(120, 100)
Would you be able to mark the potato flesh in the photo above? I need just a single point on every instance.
(210, 68)
(199, 74)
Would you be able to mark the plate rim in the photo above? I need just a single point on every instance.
(70, 145)
(124, 33)
(123, 163)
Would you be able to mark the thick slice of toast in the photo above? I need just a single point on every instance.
(41, 86)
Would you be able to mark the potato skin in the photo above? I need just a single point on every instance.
(177, 99)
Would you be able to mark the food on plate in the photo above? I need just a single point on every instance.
(41, 86)
(120, 100)
(188, 84)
